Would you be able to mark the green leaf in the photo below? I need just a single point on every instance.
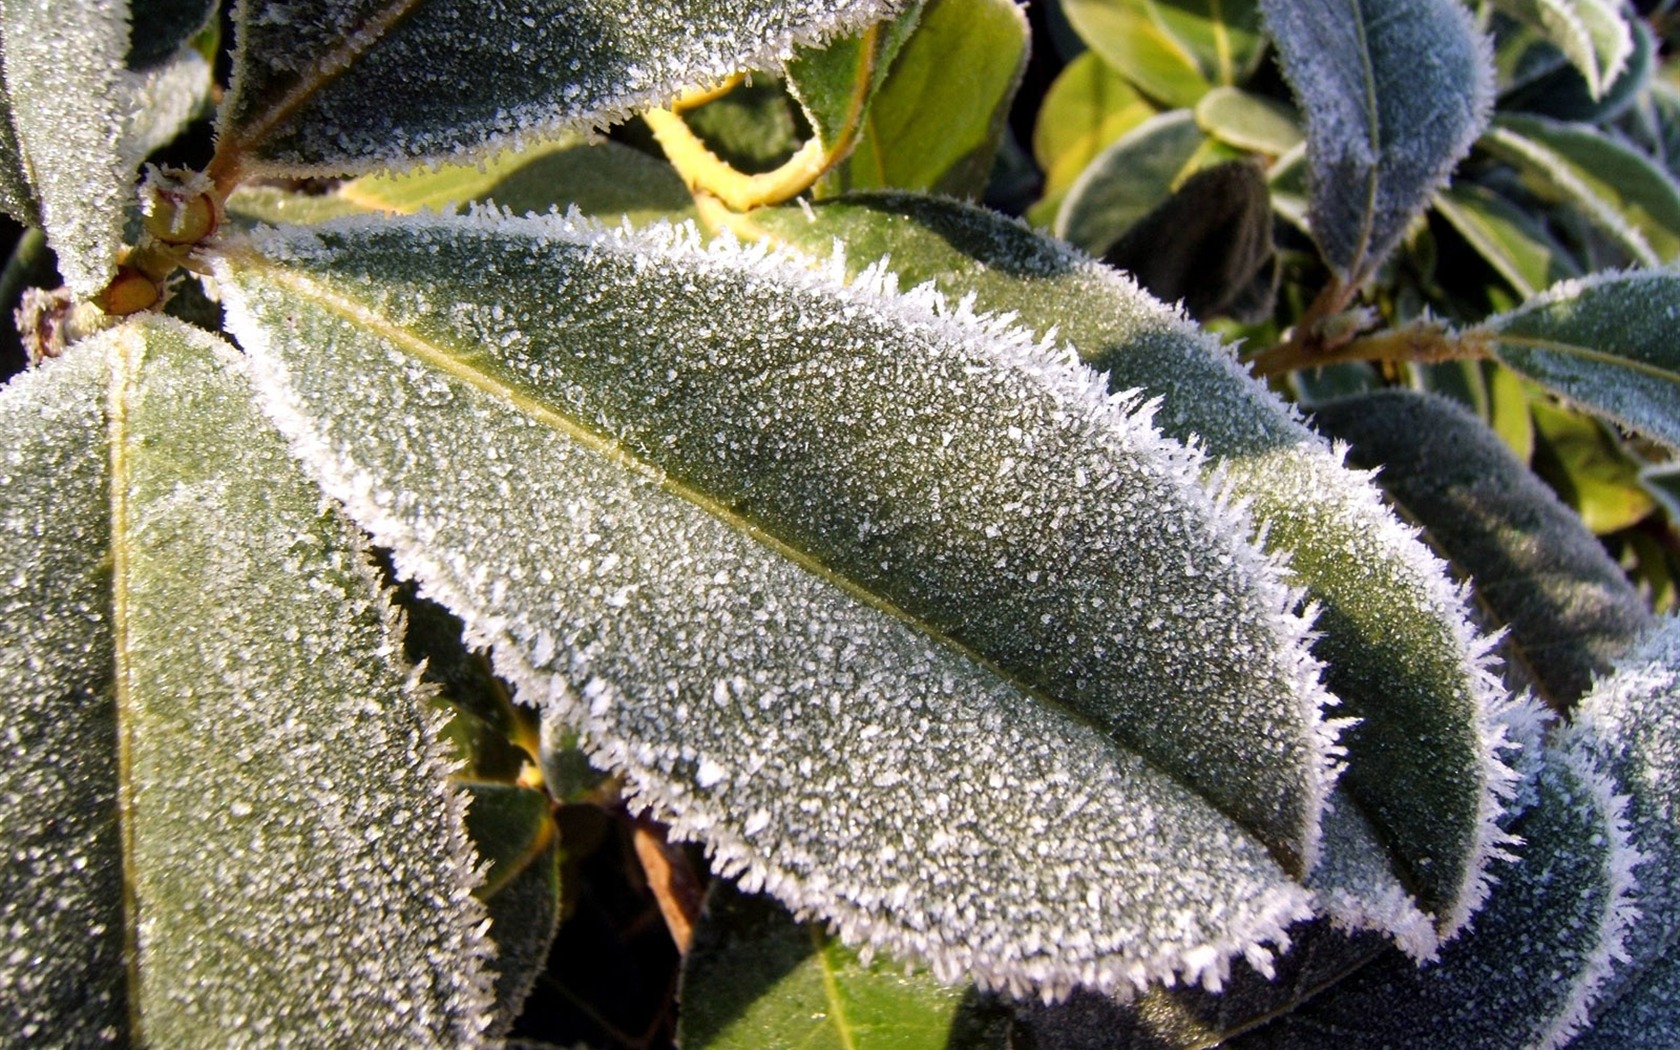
(61, 885)
(323, 87)
(1557, 90)
(1589, 468)
(1394, 92)
(754, 127)
(837, 83)
(1173, 51)
(1400, 652)
(1537, 958)
(1644, 1016)
(1132, 176)
(1593, 34)
(1087, 107)
(1604, 342)
(275, 845)
(158, 29)
(817, 600)
(1248, 122)
(1536, 568)
(68, 111)
(1617, 188)
(1510, 238)
(937, 120)
(270, 752)
(1628, 722)
(510, 827)
(600, 178)
(757, 980)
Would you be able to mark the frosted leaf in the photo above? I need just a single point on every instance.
(825, 80)
(63, 67)
(1644, 1016)
(1127, 179)
(1605, 342)
(880, 598)
(1394, 92)
(1630, 722)
(1538, 954)
(61, 966)
(1594, 35)
(1399, 649)
(161, 27)
(299, 869)
(1569, 609)
(330, 87)
(77, 121)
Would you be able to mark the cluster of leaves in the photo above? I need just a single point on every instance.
(1055, 682)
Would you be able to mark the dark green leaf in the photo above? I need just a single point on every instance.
(757, 980)
(1593, 34)
(1510, 238)
(1394, 92)
(837, 83)
(510, 827)
(1605, 342)
(1569, 608)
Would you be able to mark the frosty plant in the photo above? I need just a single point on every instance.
(954, 593)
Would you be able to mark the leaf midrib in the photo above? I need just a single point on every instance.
(1630, 364)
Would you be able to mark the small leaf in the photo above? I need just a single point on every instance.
(1174, 52)
(1617, 188)
(1592, 33)
(672, 500)
(1512, 240)
(1132, 176)
(1586, 463)
(273, 748)
(757, 980)
(1536, 960)
(1569, 608)
(1559, 91)
(1605, 342)
(1400, 651)
(1087, 107)
(937, 120)
(837, 83)
(327, 88)
(61, 884)
(1248, 122)
(1394, 93)
(510, 827)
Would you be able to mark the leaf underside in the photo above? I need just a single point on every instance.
(760, 580)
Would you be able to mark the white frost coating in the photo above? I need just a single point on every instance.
(163, 99)
(279, 752)
(1356, 889)
(823, 749)
(1299, 491)
(63, 67)
(512, 73)
(61, 960)
(1631, 720)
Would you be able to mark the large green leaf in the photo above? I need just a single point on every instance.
(1605, 342)
(1570, 610)
(757, 980)
(328, 87)
(292, 866)
(511, 829)
(1394, 92)
(1592, 33)
(1399, 649)
(937, 120)
(61, 886)
(1537, 958)
(817, 548)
